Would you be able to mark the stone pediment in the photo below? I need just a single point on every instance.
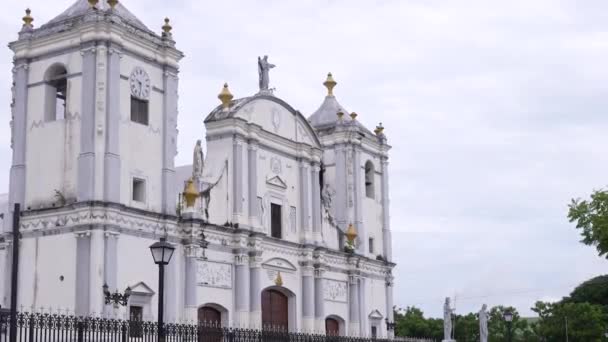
(375, 315)
(279, 264)
(276, 181)
(142, 289)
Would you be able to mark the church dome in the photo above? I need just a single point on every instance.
(327, 114)
(80, 8)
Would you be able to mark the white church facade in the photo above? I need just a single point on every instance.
(283, 221)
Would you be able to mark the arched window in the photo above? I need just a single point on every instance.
(369, 179)
(56, 93)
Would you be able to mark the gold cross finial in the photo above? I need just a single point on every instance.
(28, 19)
(353, 115)
(379, 129)
(167, 28)
(225, 96)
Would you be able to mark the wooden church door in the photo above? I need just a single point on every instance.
(274, 310)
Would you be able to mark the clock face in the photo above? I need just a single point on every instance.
(140, 83)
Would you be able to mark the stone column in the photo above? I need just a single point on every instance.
(190, 299)
(112, 164)
(305, 230)
(241, 294)
(308, 298)
(390, 314)
(83, 264)
(341, 175)
(86, 158)
(353, 305)
(317, 223)
(172, 287)
(96, 272)
(5, 301)
(359, 195)
(255, 295)
(320, 299)
(252, 161)
(170, 83)
(386, 219)
(18, 139)
(237, 180)
(110, 268)
(363, 318)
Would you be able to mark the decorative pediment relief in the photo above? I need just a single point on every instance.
(279, 265)
(142, 289)
(277, 181)
(375, 315)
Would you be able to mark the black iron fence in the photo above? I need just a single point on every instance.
(44, 327)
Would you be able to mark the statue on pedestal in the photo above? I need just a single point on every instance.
(447, 320)
(483, 324)
(263, 70)
(198, 162)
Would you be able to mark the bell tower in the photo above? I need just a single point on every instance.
(94, 111)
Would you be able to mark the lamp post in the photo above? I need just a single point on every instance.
(116, 298)
(508, 316)
(390, 326)
(162, 251)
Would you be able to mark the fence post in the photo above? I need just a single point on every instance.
(124, 331)
(80, 331)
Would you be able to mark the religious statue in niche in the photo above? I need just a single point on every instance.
(263, 70)
(198, 162)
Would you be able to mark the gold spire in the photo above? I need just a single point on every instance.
(190, 193)
(93, 3)
(353, 115)
(278, 281)
(225, 96)
(330, 83)
(167, 28)
(340, 115)
(28, 19)
(112, 3)
(351, 233)
(379, 129)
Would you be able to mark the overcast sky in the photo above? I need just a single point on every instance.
(496, 111)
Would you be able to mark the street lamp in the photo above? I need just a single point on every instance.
(162, 251)
(389, 325)
(116, 298)
(508, 316)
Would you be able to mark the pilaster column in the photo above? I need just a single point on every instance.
(363, 318)
(83, 264)
(305, 231)
(386, 219)
(170, 83)
(96, 271)
(255, 295)
(320, 299)
(353, 305)
(110, 269)
(7, 249)
(341, 191)
(237, 180)
(172, 286)
(112, 145)
(190, 301)
(390, 314)
(317, 224)
(18, 139)
(308, 298)
(242, 282)
(86, 158)
(359, 195)
(252, 161)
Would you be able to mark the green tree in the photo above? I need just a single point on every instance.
(466, 328)
(591, 216)
(592, 291)
(585, 322)
(498, 327)
(411, 323)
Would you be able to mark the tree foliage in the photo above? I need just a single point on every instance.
(411, 322)
(591, 217)
(585, 322)
(593, 291)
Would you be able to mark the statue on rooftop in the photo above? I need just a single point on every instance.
(263, 70)
(198, 161)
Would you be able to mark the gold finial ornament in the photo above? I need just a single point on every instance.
(167, 27)
(278, 281)
(379, 129)
(353, 115)
(190, 193)
(93, 3)
(28, 19)
(225, 96)
(351, 233)
(340, 115)
(112, 3)
(330, 83)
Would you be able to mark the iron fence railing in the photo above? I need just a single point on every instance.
(46, 327)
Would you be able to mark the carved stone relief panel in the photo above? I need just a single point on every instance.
(214, 274)
(335, 290)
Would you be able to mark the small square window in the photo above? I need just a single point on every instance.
(139, 111)
(371, 245)
(139, 190)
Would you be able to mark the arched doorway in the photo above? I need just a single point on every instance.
(275, 310)
(332, 326)
(209, 316)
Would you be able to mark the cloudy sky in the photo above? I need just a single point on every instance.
(497, 113)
